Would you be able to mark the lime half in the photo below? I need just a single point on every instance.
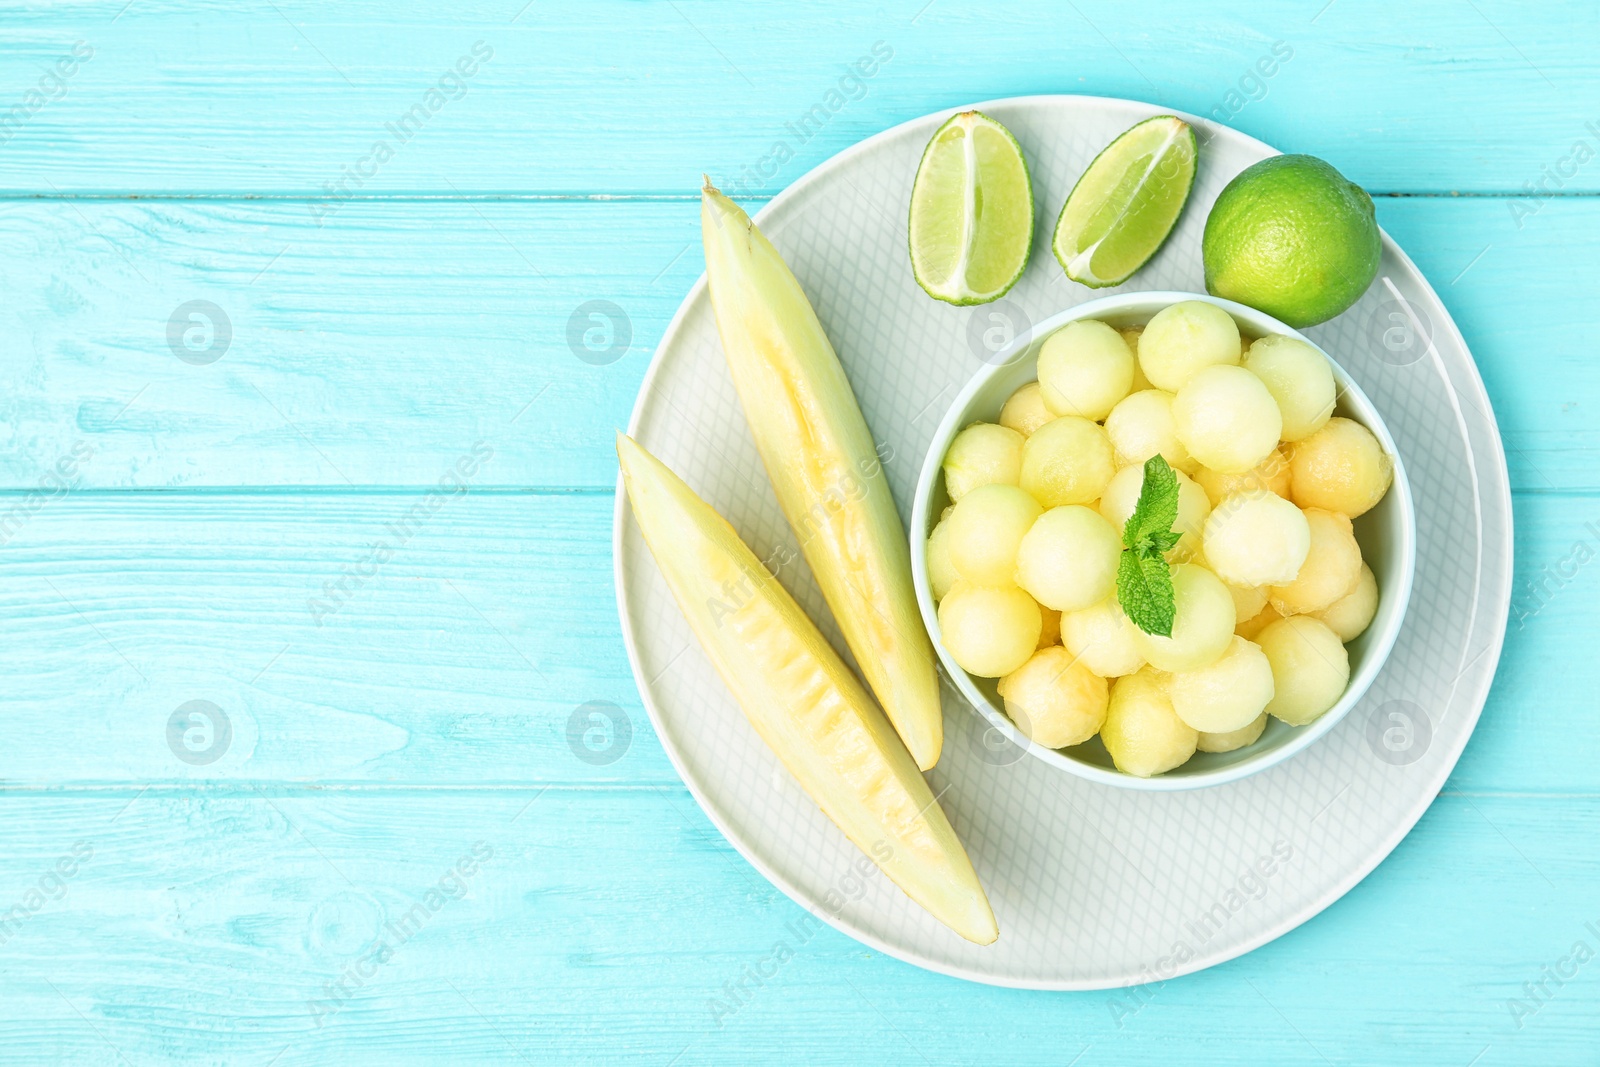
(1126, 203)
(971, 212)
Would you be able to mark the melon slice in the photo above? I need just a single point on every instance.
(801, 698)
(824, 466)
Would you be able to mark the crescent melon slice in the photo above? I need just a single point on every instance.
(824, 467)
(801, 698)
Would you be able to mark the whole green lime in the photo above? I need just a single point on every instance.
(1291, 237)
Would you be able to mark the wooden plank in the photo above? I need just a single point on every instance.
(603, 925)
(291, 96)
(466, 657)
(376, 349)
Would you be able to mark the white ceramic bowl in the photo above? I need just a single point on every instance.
(1387, 535)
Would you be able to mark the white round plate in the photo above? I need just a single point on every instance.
(1093, 886)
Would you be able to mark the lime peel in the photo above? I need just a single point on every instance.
(1143, 209)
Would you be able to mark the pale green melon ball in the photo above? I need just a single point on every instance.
(1341, 467)
(941, 572)
(1226, 419)
(1227, 695)
(1256, 538)
(1025, 412)
(1271, 474)
(1054, 699)
(1310, 668)
(1202, 625)
(989, 631)
(1331, 569)
(1184, 339)
(1351, 614)
(986, 527)
(1141, 426)
(1084, 369)
(1066, 461)
(1234, 739)
(1299, 379)
(1068, 559)
(982, 454)
(1142, 732)
(1131, 334)
(1103, 638)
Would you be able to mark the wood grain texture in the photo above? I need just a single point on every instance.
(604, 927)
(622, 97)
(463, 659)
(375, 350)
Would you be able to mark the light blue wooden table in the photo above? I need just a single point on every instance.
(241, 343)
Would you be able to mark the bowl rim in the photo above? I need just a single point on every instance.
(1397, 590)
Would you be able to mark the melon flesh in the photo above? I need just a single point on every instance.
(802, 699)
(824, 467)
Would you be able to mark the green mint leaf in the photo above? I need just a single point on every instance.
(1157, 509)
(1144, 589)
(1144, 580)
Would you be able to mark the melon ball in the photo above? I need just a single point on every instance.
(1066, 461)
(1184, 339)
(1331, 569)
(1143, 734)
(941, 572)
(1050, 627)
(1233, 739)
(1084, 369)
(1103, 638)
(1202, 624)
(1130, 334)
(1271, 474)
(1141, 426)
(1299, 379)
(1228, 695)
(1068, 559)
(1121, 496)
(982, 454)
(986, 526)
(989, 630)
(1341, 467)
(1054, 699)
(1226, 419)
(1256, 538)
(1249, 628)
(1351, 614)
(1310, 668)
(1025, 411)
(1248, 600)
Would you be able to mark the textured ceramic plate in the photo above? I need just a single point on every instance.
(1093, 886)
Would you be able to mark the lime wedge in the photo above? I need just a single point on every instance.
(1126, 203)
(971, 212)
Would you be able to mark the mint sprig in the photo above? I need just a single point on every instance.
(1144, 580)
